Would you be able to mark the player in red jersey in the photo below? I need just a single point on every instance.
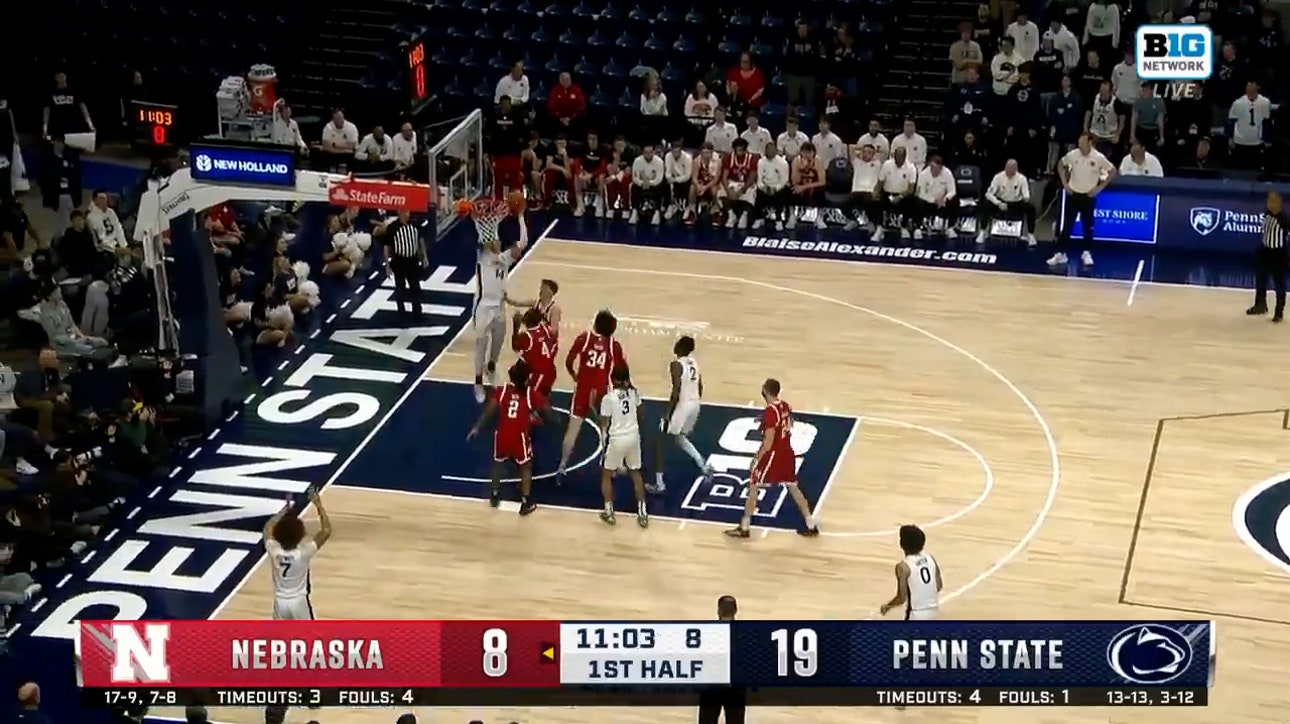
(739, 182)
(596, 353)
(546, 304)
(532, 339)
(515, 403)
(775, 463)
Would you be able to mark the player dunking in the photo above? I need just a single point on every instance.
(489, 320)
(682, 411)
(596, 353)
(918, 578)
(536, 345)
(620, 420)
(290, 556)
(775, 463)
(514, 404)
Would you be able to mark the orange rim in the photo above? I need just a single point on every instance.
(489, 209)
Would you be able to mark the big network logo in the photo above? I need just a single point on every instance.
(1174, 52)
(244, 165)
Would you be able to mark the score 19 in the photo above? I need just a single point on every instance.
(800, 646)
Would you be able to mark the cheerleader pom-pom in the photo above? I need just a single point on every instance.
(362, 239)
(281, 317)
(242, 311)
(339, 240)
(301, 269)
(311, 292)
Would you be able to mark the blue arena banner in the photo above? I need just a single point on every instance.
(268, 166)
(973, 653)
(1128, 216)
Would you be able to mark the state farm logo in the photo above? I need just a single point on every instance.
(374, 195)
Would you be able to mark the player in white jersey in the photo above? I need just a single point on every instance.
(682, 411)
(918, 578)
(290, 558)
(620, 423)
(492, 265)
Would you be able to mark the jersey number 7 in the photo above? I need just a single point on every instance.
(286, 566)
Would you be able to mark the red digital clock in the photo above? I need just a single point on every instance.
(418, 89)
(155, 123)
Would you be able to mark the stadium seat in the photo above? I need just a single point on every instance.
(741, 20)
(585, 71)
(668, 17)
(773, 23)
(695, 17)
(585, 10)
(501, 7)
(556, 10)
(627, 42)
(476, 5)
(485, 33)
(674, 76)
(558, 64)
(615, 72)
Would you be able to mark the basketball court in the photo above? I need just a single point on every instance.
(1017, 418)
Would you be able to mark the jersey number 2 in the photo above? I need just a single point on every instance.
(513, 409)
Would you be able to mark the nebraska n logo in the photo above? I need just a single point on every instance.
(131, 652)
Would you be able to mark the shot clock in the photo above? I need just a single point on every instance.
(154, 124)
(418, 87)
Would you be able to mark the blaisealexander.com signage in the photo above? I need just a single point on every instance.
(868, 252)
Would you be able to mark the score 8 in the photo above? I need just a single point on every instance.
(804, 647)
(495, 661)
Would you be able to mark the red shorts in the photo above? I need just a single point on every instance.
(518, 448)
(775, 468)
(542, 382)
(582, 400)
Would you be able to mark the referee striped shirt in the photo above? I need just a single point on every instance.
(1274, 228)
(403, 240)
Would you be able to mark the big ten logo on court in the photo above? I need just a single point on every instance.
(728, 489)
(1175, 52)
(136, 650)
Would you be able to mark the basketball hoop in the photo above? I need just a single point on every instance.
(487, 214)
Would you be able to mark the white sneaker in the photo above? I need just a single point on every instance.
(980, 237)
(24, 468)
(792, 223)
(671, 212)
(904, 234)
(600, 212)
(1031, 241)
(951, 234)
(731, 219)
(1086, 259)
(918, 234)
(79, 546)
(1058, 259)
(656, 218)
(479, 394)
(578, 212)
(743, 220)
(877, 234)
(634, 218)
(820, 223)
(779, 225)
(758, 223)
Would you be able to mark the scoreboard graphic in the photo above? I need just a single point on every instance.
(635, 663)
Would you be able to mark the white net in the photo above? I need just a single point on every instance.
(457, 167)
(487, 214)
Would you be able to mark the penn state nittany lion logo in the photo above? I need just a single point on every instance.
(1262, 519)
(203, 162)
(1149, 654)
(1204, 219)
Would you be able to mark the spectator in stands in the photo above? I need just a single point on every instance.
(841, 109)
(1140, 161)
(1246, 120)
(15, 227)
(1199, 163)
(16, 587)
(558, 188)
(789, 143)
(1102, 28)
(678, 173)
(532, 157)
(286, 132)
(1147, 119)
(844, 64)
(224, 232)
(1069, 13)
(700, 111)
(1026, 122)
(913, 142)
(339, 140)
(515, 86)
(966, 107)
(1065, 119)
(505, 138)
(1125, 84)
(1090, 76)
(720, 133)
(375, 152)
(865, 206)
(76, 248)
(1064, 42)
(1048, 66)
(964, 53)
(897, 184)
(1104, 122)
(935, 198)
(109, 234)
(1229, 78)
(61, 188)
(758, 138)
(653, 107)
(1025, 36)
(828, 145)
(64, 111)
(648, 185)
(1008, 194)
(404, 149)
(43, 394)
(1268, 48)
(773, 192)
(590, 172)
(747, 82)
(969, 151)
(873, 137)
(566, 104)
(60, 327)
(986, 30)
(1005, 67)
(802, 66)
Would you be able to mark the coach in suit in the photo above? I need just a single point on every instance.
(1271, 259)
(732, 699)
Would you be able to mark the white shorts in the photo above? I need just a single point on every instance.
(487, 319)
(926, 614)
(683, 418)
(749, 196)
(292, 609)
(623, 453)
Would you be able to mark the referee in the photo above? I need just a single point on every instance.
(1084, 173)
(1271, 259)
(732, 699)
(404, 255)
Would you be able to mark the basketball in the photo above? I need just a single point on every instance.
(515, 202)
(464, 207)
